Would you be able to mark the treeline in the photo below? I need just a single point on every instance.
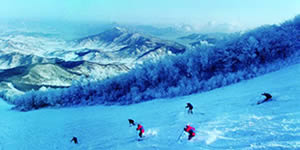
(247, 55)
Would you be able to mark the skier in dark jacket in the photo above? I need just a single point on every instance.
(190, 106)
(191, 130)
(268, 98)
(131, 122)
(141, 129)
(74, 139)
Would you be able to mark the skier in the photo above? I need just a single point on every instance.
(191, 130)
(131, 122)
(268, 97)
(141, 129)
(190, 106)
(74, 139)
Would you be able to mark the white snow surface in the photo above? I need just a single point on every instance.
(225, 118)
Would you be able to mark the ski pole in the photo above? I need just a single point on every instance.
(137, 135)
(180, 135)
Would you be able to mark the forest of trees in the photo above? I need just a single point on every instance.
(247, 55)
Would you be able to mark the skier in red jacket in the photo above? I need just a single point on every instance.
(141, 129)
(191, 130)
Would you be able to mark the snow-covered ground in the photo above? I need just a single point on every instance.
(225, 118)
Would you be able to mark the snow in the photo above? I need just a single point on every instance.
(30, 45)
(225, 118)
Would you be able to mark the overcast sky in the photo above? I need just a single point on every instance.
(246, 13)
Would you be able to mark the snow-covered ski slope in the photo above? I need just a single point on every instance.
(225, 118)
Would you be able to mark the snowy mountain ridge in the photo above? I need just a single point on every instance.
(112, 45)
(114, 51)
(121, 43)
(54, 74)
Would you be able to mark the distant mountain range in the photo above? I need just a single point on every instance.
(56, 74)
(120, 44)
(31, 60)
(207, 39)
(15, 59)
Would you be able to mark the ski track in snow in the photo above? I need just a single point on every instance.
(225, 118)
